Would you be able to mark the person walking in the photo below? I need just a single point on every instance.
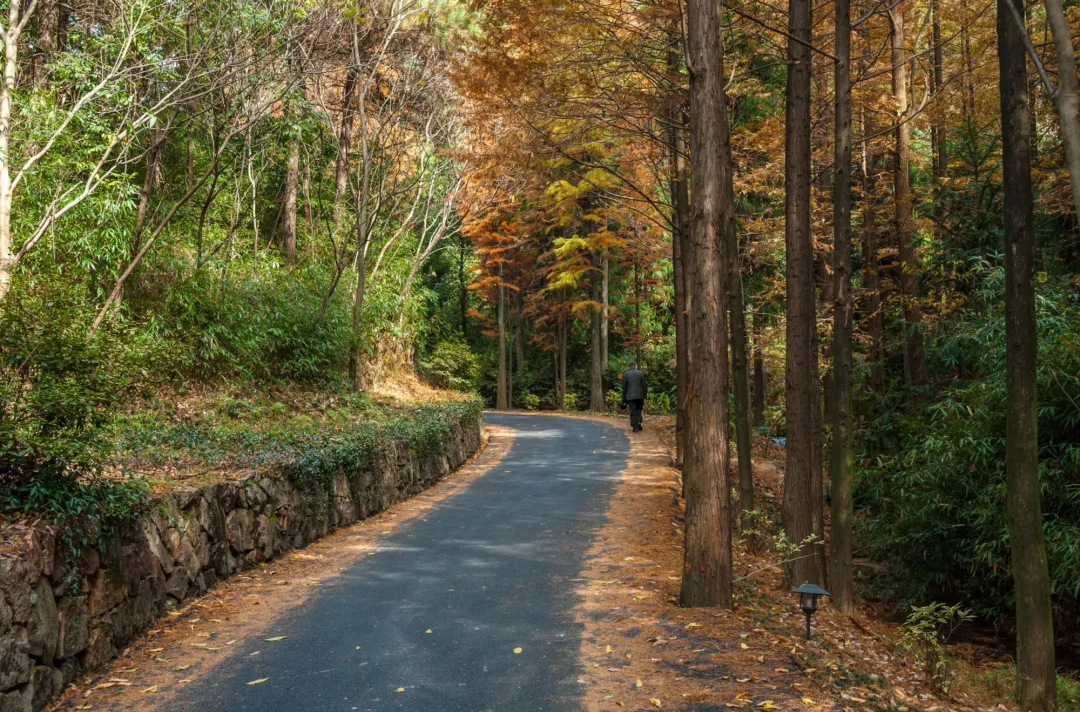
(633, 394)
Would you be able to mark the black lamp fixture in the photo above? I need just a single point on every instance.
(808, 601)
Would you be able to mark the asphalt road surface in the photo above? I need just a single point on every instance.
(487, 571)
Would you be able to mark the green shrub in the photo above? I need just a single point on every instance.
(570, 401)
(613, 398)
(925, 633)
(658, 403)
(453, 365)
(531, 401)
(931, 489)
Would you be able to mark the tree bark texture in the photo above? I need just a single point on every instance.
(1067, 99)
(802, 477)
(759, 373)
(501, 396)
(1035, 673)
(292, 181)
(740, 372)
(707, 577)
(842, 464)
(341, 168)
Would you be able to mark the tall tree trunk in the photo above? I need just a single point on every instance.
(519, 333)
(802, 477)
(502, 401)
(842, 464)
(706, 579)
(604, 314)
(341, 168)
(871, 272)
(759, 373)
(680, 209)
(292, 179)
(740, 374)
(914, 355)
(463, 287)
(941, 152)
(596, 369)
(564, 328)
(7, 87)
(358, 299)
(1035, 673)
(1067, 99)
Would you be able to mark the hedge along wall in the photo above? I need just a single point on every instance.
(62, 615)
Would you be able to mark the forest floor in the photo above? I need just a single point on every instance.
(641, 651)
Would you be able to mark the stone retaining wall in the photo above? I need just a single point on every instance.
(57, 621)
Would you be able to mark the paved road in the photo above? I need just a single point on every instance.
(489, 570)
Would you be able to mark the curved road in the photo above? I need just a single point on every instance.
(488, 570)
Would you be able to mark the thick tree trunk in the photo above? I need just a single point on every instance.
(842, 464)
(802, 477)
(46, 33)
(1067, 99)
(292, 179)
(341, 168)
(596, 362)
(914, 355)
(1035, 673)
(759, 374)
(706, 577)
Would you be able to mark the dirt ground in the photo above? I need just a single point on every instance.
(641, 651)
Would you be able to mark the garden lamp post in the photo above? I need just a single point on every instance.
(808, 601)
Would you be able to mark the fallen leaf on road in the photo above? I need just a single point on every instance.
(256, 682)
(767, 705)
(607, 649)
(517, 651)
(637, 683)
(150, 690)
(428, 631)
(654, 702)
(276, 638)
(400, 689)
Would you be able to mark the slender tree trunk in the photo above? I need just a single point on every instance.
(501, 400)
(519, 333)
(706, 577)
(1067, 99)
(682, 317)
(604, 315)
(7, 87)
(463, 288)
(871, 273)
(940, 146)
(596, 370)
(358, 300)
(759, 374)
(802, 477)
(842, 465)
(740, 373)
(1035, 672)
(564, 328)
(292, 176)
(341, 168)
(914, 356)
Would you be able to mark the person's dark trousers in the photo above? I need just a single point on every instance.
(636, 405)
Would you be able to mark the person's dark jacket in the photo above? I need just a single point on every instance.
(633, 385)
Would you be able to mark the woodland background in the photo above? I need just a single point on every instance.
(235, 198)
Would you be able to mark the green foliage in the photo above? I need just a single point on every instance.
(931, 490)
(925, 633)
(613, 397)
(308, 451)
(570, 401)
(658, 403)
(452, 364)
(531, 401)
